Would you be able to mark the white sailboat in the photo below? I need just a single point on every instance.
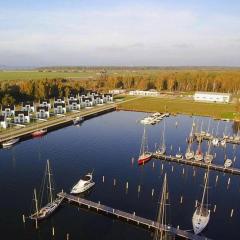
(201, 215)
(179, 154)
(190, 153)
(228, 163)
(45, 211)
(144, 155)
(208, 157)
(162, 147)
(10, 142)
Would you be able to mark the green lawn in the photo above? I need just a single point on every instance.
(150, 104)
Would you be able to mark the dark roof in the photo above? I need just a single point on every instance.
(59, 104)
(2, 118)
(42, 108)
(73, 95)
(26, 113)
(93, 92)
(27, 103)
(86, 98)
(45, 100)
(74, 101)
(83, 93)
(12, 107)
(98, 96)
(59, 98)
(107, 94)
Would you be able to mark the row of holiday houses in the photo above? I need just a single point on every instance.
(59, 105)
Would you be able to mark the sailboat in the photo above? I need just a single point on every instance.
(207, 133)
(198, 155)
(201, 215)
(208, 157)
(162, 148)
(10, 142)
(162, 231)
(144, 155)
(215, 140)
(190, 153)
(179, 154)
(45, 211)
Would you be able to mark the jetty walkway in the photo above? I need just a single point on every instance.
(131, 218)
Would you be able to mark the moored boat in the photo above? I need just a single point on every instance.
(83, 184)
(201, 215)
(10, 142)
(144, 155)
(77, 120)
(39, 133)
(54, 203)
(228, 163)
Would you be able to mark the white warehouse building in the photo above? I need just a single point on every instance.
(212, 97)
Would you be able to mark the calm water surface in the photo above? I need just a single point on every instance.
(107, 144)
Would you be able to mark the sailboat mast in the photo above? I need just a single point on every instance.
(49, 181)
(204, 191)
(36, 201)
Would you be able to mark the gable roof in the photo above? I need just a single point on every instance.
(25, 113)
(42, 108)
(12, 107)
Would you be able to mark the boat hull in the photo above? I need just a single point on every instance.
(83, 189)
(47, 210)
(144, 159)
(10, 142)
(39, 133)
(200, 221)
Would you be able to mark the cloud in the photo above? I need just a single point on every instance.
(133, 34)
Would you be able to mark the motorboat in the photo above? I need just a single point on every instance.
(223, 142)
(83, 184)
(228, 163)
(39, 133)
(77, 120)
(10, 142)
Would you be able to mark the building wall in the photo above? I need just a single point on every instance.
(218, 97)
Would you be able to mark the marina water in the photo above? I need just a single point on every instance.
(107, 144)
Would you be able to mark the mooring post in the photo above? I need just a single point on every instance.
(152, 192)
(214, 209)
(67, 236)
(232, 212)
(23, 217)
(103, 179)
(114, 182)
(53, 231)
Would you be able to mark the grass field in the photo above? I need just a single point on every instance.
(150, 104)
(31, 75)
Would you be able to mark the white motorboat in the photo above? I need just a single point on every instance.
(10, 142)
(83, 184)
(228, 163)
(201, 215)
(77, 120)
(208, 158)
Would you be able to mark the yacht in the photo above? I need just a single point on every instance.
(198, 155)
(228, 163)
(208, 157)
(223, 142)
(189, 154)
(162, 148)
(10, 142)
(45, 211)
(144, 155)
(179, 154)
(201, 215)
(83, 184)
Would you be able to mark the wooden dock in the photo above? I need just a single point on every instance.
(201, 164)
(131, 218)
(230, 140)
(56, 122)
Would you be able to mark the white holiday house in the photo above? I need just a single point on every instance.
(86, 102)
(108, 97)
(73, 97)
(28, 106)
(97, 99)
(59, 108)
(3, 122)
(21, 117)
(8, 111)
(74, 104)
(59, 100)
(212, 97)
(45, 103)
(42, 112)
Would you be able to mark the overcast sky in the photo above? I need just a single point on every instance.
(126, 32)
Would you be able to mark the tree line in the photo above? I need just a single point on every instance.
(165, 80)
